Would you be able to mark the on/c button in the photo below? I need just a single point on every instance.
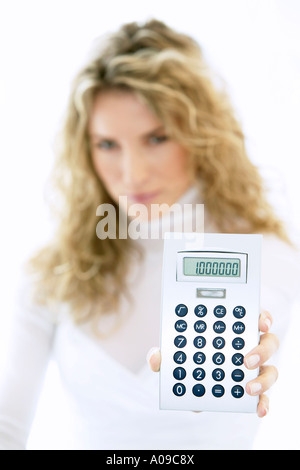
(211, 293)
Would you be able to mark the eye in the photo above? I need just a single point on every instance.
(106, 145)
(157, 139)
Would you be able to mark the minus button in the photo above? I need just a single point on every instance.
(211, 293)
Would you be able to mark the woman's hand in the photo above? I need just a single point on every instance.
(268, 345)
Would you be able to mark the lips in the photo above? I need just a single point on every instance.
(143, 198)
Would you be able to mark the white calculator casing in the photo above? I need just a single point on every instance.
(206, 385)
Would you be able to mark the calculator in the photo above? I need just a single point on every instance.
(209, 321)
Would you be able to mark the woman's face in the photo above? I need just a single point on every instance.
(131, 153)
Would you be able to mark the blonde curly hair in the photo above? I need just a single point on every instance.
(167, 70)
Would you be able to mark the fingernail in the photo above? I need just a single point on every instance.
(263, 412)
(150, 353)
(255, 387)
(268, 323)
(252, 361)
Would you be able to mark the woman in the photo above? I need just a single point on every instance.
(145, 121)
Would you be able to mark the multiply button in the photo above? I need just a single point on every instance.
(237, 359)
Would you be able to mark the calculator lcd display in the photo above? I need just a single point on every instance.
(213, 267)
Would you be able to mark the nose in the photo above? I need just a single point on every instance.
(135, 169)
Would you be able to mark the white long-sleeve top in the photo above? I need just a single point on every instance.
(111, 393)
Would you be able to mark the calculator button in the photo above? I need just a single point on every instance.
(200, 326)
(237, 391)
(218, 359)
(179, 373)
(219, 327)
(237, 359)
(199, 342)
(219, 342)
(179, 357)
(220, 311)
(180, 325)
(237, 375)
(200, 310)
(238, 343)
(239, 311)
(218, 375)
(199, 374)
(180, 341)
(238, 328)
(199, 390)
(179, 390)
(218, 391)
(199, 358)
(181, 310)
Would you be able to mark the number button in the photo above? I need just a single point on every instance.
(199, 342)
(218, 375)
(180, 325)
(219, 311)
(199, 374)
(200, 310)
(219, 342)
(181, 310)
(179, 390)
(199, 358)
(180, 341)
(238, 343)
(179, 357)
(218, 359)
(239, 311)
(179, 373)
(199, 390)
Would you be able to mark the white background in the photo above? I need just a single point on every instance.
(252, 44)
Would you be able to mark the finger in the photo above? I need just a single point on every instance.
(154, 359)
(263, 406)
(268, 345)
(267, 377)
(265, 321)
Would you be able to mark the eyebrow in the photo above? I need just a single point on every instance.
(147, 134)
